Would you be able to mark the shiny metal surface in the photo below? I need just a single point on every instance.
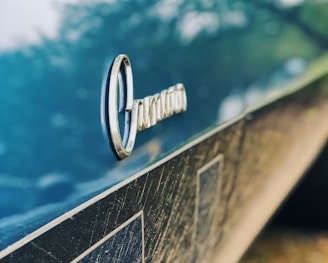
(122, 147)
(140, 114)
(158, 107)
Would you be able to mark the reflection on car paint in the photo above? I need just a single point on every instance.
(229, 54)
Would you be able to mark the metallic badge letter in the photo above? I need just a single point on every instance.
(139, 114)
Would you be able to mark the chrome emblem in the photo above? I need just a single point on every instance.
(139, 114)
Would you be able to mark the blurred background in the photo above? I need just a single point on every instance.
(299, 230)
(54, 57)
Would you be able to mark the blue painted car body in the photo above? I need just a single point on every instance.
(55, 55)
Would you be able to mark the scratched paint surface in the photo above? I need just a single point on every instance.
(167, 197)
(170, 194)
(208, 187)
(124, 246)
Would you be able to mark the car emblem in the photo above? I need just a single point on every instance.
(139, 114)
